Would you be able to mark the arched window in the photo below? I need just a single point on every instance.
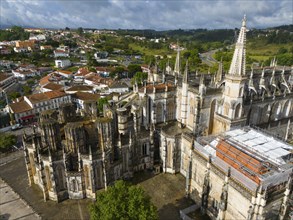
(60, 178)
(241, 92)
(169, 154)
(144, 149)
(266, 111)
(286, 109)
(171, 111)
(238, 111)
(74, 185)
(86, 177)
(159, 112)
(276, 111)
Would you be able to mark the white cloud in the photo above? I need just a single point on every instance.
(156, 14)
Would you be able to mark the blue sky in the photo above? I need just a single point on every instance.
(148, 14)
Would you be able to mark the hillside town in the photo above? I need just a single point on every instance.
(86, 114)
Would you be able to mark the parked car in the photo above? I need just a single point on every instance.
(16, 126)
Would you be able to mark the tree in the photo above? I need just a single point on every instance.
(123, 201)
(26, 90)
(139, 77)
(79, 30)
(6, 141)
(133, 68)
(14, 95)
(101, 103)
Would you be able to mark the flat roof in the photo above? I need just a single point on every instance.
(260, 144)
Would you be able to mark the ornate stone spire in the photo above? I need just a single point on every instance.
(237, 66)
(283, 80)
(262, 84)
(185, 76)
(273, 80)
(219, 72)
(177, 62)
(250, 83)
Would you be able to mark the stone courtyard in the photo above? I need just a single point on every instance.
(167, 192)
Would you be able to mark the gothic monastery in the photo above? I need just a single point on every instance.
(213, 129)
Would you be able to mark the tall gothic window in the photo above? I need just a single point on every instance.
(86, 177)
(159, 112)
(60, 178)
(144, 149)
(238, 111)
(74, 185)
(171, 110)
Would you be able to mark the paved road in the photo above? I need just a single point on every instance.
(207, 57)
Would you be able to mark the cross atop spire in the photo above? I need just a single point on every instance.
(237, 66)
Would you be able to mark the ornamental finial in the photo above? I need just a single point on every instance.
(244, 21)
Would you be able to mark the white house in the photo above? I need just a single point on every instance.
(23, 74)
(51, 87)
(80, 88)
(64, 73)
(21, 49)
(61, 53)
(118, 87)
(7, 81)
(80, 98)
(62, 63)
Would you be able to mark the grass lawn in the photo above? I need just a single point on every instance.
(266, 50)
(147, 51)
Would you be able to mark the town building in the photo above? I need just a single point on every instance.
(7, 84)
(193, 124)
(25, 73)
(62, 63)
(27, 108)
(51, 87)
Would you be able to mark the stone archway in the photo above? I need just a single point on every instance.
(238, 111)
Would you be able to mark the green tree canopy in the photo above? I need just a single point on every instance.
(6, 141)
(101, 103)
(133, 68)
(139, 77)
(79, 30)
(123, 201)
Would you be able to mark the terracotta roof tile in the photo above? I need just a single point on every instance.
(86, 96)
(80, 88)
(53, 86)
(19, 107)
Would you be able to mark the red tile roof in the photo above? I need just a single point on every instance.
(19, 107)
(86, 96)
(53, 86)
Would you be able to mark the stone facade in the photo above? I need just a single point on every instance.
(72, 156)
